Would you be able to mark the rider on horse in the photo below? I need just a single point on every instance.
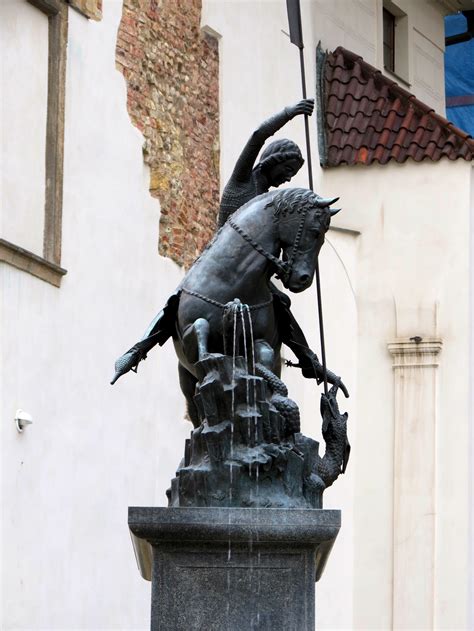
(279, 162)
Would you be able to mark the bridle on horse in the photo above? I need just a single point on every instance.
(284, 268)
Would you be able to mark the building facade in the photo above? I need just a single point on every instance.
(121, 124)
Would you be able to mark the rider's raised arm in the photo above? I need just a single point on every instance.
(244, 165)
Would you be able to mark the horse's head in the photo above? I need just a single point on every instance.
(303, 219)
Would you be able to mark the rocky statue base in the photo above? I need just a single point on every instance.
(232, 569)
(248, 450)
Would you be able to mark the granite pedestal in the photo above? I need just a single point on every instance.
(234, 569)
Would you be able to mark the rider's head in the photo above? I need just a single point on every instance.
(280, 161)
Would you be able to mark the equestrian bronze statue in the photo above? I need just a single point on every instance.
(228, 323)
(278, 163)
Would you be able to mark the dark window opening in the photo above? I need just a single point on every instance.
(388, 40)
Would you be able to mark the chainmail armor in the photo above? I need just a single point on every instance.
(246, 182)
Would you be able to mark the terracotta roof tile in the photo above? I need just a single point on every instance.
(367, 117)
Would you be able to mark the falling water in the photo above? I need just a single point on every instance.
(243, 310)
(247, 400)
(229, 549)
(251, 338)
(228, 597)
(252, 346)
(258, 589)
(234, 350)
(234, 345)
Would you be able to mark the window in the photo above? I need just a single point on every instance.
(34, 39)
(388, 40)
(395, 37)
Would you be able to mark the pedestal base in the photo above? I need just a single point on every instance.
(234, 569)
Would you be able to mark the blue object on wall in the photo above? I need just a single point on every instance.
(459, 76)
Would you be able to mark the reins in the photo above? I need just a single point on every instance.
(284, 267)
(280, 265)
(222, 306)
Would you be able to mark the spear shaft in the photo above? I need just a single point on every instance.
(296, 37)
(306, 123)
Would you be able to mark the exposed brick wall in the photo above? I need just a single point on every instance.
(171, 70)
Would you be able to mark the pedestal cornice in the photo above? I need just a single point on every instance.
(153, 526)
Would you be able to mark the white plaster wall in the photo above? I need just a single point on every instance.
(425, 48)
(352, 24)
(428, 72)
(93, 449)
(24, 93)
(427, 69)
(412, 265)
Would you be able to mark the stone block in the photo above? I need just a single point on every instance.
(235, 568)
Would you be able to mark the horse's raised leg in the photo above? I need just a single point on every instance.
(187, 381)
(201, 329)
(195, 339)
(195, 343)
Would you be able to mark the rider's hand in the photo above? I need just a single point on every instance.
(332, 378)
(306, 106)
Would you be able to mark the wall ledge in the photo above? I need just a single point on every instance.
(415, 351)
(26, 261)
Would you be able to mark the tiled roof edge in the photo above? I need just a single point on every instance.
(395, 91)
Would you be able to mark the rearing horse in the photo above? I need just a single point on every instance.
(279, 232)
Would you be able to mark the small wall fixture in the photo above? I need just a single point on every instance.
(22, 419)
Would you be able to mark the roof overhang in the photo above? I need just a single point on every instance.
(365, 117)
(453, 6)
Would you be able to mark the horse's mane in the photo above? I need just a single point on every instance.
(283, 202)
(289, 200)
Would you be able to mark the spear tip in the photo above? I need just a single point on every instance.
(294, 21)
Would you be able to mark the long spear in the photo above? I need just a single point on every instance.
(296, 38)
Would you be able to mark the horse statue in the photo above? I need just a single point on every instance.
(279, 232)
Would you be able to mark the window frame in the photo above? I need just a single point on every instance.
(389, 46)
(48, 267)
(402, 44)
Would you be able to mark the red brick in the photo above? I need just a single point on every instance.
(172, 75)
